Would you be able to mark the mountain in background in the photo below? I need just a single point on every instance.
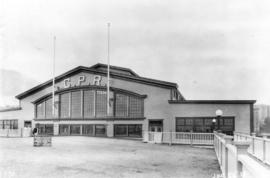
(11, 84)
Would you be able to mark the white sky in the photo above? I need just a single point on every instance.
(214, 49)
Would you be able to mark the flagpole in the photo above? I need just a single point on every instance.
(108, 72)
(53, 80)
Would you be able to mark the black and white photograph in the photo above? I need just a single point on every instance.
(134, 89)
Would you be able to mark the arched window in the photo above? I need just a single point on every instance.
(91, 103)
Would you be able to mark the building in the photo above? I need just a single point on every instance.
(261, 118)
(137, 104)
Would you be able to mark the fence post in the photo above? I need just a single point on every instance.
(21, 132)
(170, 143)
(191, 137)
(253, 140)
(7, 132)
(264, 146)
(241, 148)
(228, 140)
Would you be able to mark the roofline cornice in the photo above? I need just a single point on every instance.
(212, 101)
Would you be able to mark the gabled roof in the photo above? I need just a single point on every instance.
(116, 72)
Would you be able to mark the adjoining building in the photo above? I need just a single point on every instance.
(262, 119)
(137, 104)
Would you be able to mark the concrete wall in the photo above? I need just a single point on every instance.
(235, 161)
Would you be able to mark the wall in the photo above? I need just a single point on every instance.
(10, 115)
(156, 104)
(241, 112)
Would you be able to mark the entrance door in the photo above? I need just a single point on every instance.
(155, 125)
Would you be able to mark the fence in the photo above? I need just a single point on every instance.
(234, 159)
(23, 132)
(179, 138)
(259, 147)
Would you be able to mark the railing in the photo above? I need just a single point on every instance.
(179, 138)
(259, 147)
(234, 159)
(23, 132)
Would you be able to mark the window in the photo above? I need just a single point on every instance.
(40, 110)
(89, 103)
(14, 124)
(131, 130)
(88, 129)
(75, 129)
(45, 129)
(64, 106)
(226, 125)
(198, 125)
(202, 124)
(120, 130)
(135, 107)
(135, 130)
(101, 103)
(48, 108)
(8, 124)
(100, 130)
(121, 105)
(76, 108)
(63, 129)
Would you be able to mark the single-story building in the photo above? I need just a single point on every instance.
(136, 104)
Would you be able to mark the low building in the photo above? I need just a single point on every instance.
(262, 119)
(136, 104)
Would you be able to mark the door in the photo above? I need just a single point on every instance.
(155, 128)
(155, 125)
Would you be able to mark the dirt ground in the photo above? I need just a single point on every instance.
(104, 157)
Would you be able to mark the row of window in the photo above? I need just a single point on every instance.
(8, 124)
(86, 129)
(91, 103)
(131, 130)
(73, 129)
(198, 124)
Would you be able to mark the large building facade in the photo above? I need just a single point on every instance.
(136, 104)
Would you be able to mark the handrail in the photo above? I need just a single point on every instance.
(259, 147)
(179, 138)
(234, 157)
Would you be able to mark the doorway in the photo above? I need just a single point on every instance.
(28, 124)
(156, 125)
